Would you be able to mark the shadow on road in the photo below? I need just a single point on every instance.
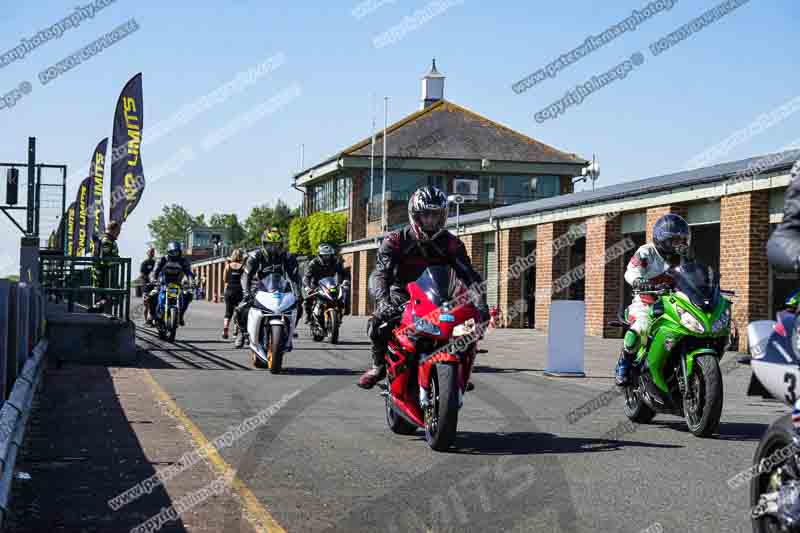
(300, 371)
(735, 431)
(183, 353)
(530, 443)
(81, 450)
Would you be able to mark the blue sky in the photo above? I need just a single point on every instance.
(665, 112)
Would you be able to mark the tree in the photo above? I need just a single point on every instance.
(172, 225)
(236, 233)
(263, 217)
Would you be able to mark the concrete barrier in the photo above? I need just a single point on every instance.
(91, 338)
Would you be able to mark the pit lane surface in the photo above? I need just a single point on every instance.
(326, 461)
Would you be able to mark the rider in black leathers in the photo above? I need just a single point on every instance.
(783, 247)
(174, 266)
(325, 265)
(270, 259)
(402, 257)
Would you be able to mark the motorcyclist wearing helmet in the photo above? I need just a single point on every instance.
(647, 271)
(271, 258)
(173, 266)
(325, 265)
(402, 257)
(783, 248)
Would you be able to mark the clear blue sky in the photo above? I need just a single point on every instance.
(664, 113)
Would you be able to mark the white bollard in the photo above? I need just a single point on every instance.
(565, 339)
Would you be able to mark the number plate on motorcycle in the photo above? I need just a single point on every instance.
(446, 317)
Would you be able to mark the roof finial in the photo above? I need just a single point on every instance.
(434, 63)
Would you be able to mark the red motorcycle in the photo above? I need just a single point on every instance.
(430, 357)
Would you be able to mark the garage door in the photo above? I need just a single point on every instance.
(490, 267)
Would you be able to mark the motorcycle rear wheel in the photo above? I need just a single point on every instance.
(441, 416)
(635, 409)
(397, 423)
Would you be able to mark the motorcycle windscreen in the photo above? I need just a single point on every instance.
(275, 283)
(328, 283)
(699, 283)
(440, 284)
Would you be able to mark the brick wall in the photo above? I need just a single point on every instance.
(509, 285)
(744, 231)
(550, 265)
(363, 288)
(357, 218)
(351, 262)
(474, 246)
(603, 281)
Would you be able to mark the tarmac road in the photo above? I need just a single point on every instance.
(326, 461)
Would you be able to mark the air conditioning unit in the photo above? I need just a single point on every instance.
(468, 188)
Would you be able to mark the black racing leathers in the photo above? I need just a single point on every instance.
(783, 248)
(402, 259)
(315, 271)
(257, 267)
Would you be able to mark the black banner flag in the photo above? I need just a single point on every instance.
(97, 220)
(79, 246)
(127, 178)
(70, 228)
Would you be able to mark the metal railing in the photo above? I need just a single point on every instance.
(72, 280)
(22, 320)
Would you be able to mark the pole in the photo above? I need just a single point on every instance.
(63, 242)
(372, 162)
(31, 184)
(458, 212)
(384, 217)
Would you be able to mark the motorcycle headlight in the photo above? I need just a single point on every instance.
(689, 321)
(464, 329)
(425, 326)
(723, 321)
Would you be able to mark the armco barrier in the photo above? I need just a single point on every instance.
(22, 349)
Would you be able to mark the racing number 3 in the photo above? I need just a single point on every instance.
(791, 379)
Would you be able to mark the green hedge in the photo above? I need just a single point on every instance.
(298, 236)
(306, 233)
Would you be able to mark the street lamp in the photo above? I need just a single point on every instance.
(458, 200)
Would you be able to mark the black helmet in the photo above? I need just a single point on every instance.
(427, 212)
(672, 236)
(326, 253)
(174, 250)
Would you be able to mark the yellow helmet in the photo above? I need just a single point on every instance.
(272, 241)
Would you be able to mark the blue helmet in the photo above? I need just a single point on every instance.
(672, 236)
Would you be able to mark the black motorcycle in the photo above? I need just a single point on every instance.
(775, 475)
(328, 310)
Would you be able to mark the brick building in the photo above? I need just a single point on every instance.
(532, 238)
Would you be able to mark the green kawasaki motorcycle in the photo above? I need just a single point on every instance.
(677, 368)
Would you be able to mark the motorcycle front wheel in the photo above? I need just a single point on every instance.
(275, 353)
(172, 323)
(336, 321)
(703, 405)
(441, 415)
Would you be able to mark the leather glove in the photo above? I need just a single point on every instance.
(387, 311)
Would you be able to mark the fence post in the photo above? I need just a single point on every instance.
(5, 315)
(23, 324)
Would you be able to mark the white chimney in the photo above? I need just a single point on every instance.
(432, 87)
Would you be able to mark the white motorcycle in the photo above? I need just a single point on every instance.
(271, 321)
